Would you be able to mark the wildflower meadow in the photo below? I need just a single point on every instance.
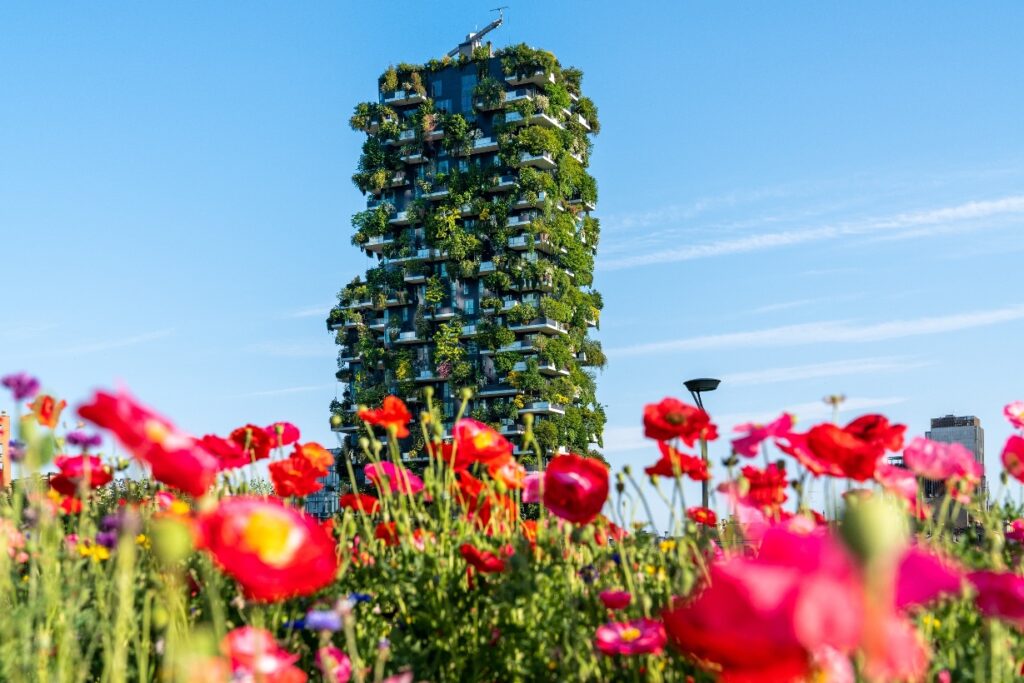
(473, 568)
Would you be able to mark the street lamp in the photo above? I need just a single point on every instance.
(696, 388)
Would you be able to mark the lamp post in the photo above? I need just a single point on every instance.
(696, 388)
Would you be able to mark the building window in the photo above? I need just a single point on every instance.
(468, 83)
(470, 306)
(435, 89)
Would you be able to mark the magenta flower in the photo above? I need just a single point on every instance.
(282, 434)
(1013, 457)
(924, 576)
(756, 433)
(22, 385)
(901, 482)
(531, 487)
(1000, 595)
(935, 460)
(1014, 412)
(404, 481)
(616, 599)
(640, 637)
(335, 664)
(84, 440)
(1016, 532)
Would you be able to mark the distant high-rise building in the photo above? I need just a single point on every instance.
(965, 430)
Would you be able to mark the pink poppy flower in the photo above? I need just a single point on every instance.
(639, 637)
(924, 576)
(999, 595)
(404, 481)
(531, 487)
(895, 652)
(1013, 457)
(901, 482)
(756, 433)
(936, 460)
(1014, 412)
(616, 599)
(254, 652)
(1016, 532)
(282, 433)
(334, 664)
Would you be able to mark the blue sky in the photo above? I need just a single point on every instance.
(801, 199)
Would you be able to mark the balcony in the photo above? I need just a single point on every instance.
(488, 106)
(377, 324)
(428, 376)
(399, 179)
(524, 242)
(408, 338)
(583, 122)
(514, 118)
(481, 145)
(512, 429)
(520, 220)
(543, 408)
(348, 429)
(468, 331)
(468, 210)
(435, 134)
(503, 183)
(545, 325)
(344, 371)
(496, 390)
(413, 158)
(520, 95)
(402, 218)
(552, 370)
(524, 345)
(543, 161)
(487, 267)
(406, 136)
(403, 97)
(536, 78)
(524, 203)
(439, 193)
(577, 157)
(376, 244)
(585, 204)
(442, 313)
(415, 278)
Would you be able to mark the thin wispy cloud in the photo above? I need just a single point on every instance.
(105, 345)
(921, 223)
(839, 368)
(323, 349)
(622, 438)
(828, 331)
(283, 392)
(320, 310)
(26, 331)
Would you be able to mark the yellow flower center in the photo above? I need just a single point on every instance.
(630, 634)
(273, 537)
(155, 431)
(483, 440)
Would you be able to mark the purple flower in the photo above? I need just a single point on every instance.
(325, 620)
(22, 385)
(84, 440)
(111, 523)
(17, 451)
(107, 539)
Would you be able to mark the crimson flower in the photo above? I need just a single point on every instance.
(21, 384)
(46, 409)
(294, 476)
(282, 434)
(748, 444)
(999, 595)
(924, 576)
(764, 618)
(385, 474)
(1014, 412)
(334, 664)
(360, 502)
(387, 532)
(639, 637)
(230, 454)
(74, 471)
(509, 472)
(481, 505)
(274, 551)
(673, 462)
(851, 451)
(391, 415)
(1013, 457)
(253, 440)
(616, 599)
(174, 458)
(575, 488)
(767, 490)
(671, 419)
(1016, 532)
(702, 515)
(483, 561)
(479, 443)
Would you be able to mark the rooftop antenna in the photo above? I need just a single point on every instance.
(472, 40)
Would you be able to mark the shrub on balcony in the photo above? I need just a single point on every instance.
(520, 314)
(490, 92)
(523, 60)
(554, 309)
(389, 80)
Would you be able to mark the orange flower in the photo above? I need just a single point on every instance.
(508, 472)
(391, 415)
(319, 458)
(294, 476)
(46, 409)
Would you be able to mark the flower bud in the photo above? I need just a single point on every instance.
(874, 528)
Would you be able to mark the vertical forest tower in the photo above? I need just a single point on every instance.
(481, 244)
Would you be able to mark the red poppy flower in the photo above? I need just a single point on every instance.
(174, 458)
(387, 532)
(318, 457)
(606, 530)
(616, 599)
(702, 515)
(47, 410)
(255, 655)
(575, 488)
(478, 442)
(274, 551)
(294, 476)
(508, 472)
(671, 419)
(360, 502)
(767, 487)
(748, 444)
(78, 469)
(229, 453)
(1000, 595)
(482, 506)
(1013, 457)
(851, 451)
(449, 455)
(391, 415)
(691, 466)
(253, 440)
(483, 561)
(282, 434)
(763, 618)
